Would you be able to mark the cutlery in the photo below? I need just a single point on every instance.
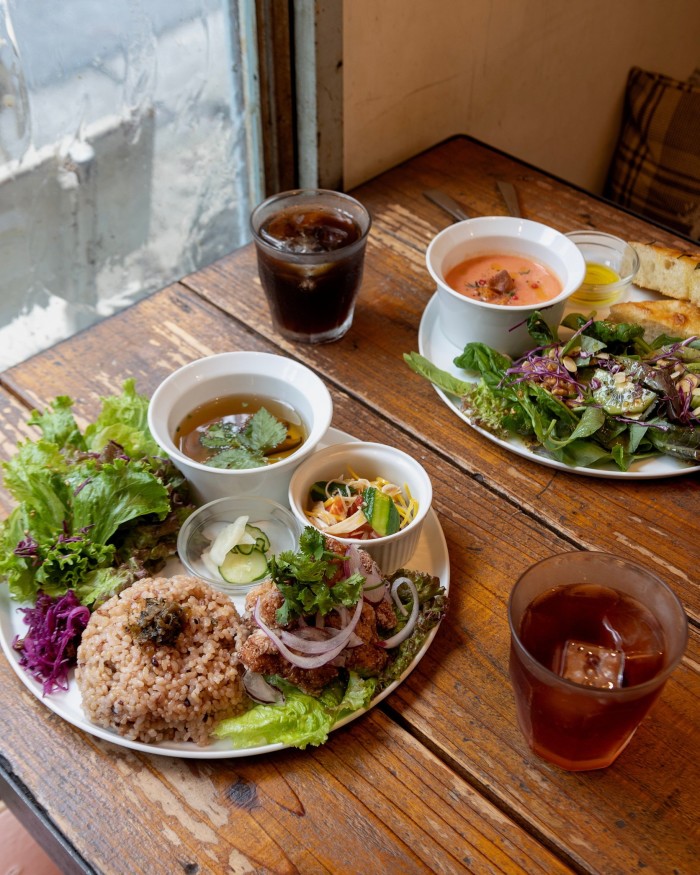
(447, 203)
(510, 196)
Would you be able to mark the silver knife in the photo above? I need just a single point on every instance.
(510, 196)
(448, 204)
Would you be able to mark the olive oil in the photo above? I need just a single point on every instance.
(600, 275)
(594, 289)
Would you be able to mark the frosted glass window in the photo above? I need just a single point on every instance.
(129, 154)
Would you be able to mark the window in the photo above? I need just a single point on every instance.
(130, 154)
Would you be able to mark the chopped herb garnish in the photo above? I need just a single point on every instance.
(312, 579)
(247, 446)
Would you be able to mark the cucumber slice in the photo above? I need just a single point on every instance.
(381, 512)
(318, 490)
(246, 549)
(262, 542)
(241, 568)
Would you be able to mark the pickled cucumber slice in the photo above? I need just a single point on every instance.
(617, 396)
(243, 568)
(262, 542)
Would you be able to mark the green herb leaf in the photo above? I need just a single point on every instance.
(237, 458)
(246, 447)
(263, 431)
(442, 379)
(311, 579)
(219, 434)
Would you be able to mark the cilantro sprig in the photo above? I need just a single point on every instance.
(245, 447)
(311, 579)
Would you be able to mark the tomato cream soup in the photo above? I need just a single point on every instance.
(504, 279)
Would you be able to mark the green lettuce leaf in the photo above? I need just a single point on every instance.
(299, 721)
(123, 419)
(118, 492)
(99, 585)
(58, 425)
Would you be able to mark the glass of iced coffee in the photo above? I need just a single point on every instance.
(593, 640)
(310, 245)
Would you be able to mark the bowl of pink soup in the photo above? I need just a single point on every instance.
(493, 272)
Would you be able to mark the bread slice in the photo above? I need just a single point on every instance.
(673, 272)
(675, 318)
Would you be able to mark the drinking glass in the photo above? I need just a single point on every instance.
(616, 637)
(310, 246)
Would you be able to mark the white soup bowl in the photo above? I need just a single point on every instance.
(465, 320)
(240, 373)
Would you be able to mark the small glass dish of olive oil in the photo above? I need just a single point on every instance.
(611, 265)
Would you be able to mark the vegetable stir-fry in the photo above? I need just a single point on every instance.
(355, 507)
(603, 395)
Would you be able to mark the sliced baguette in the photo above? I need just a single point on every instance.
(675, 318)
(673, 272)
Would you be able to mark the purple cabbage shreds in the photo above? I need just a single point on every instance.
(48, 650)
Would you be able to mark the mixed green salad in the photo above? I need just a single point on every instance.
(95, 510)
(602, 395)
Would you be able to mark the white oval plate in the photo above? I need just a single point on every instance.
(433, 344)
(431, 556)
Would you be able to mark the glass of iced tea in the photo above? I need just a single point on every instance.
(593, 640)
(311, 246)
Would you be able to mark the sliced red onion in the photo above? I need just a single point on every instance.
(309, 661)
(352, 560)
(374, 593)
(395, 594)
(327, 640)
(374, 586)
(311, 634)
(395, 640)
(344, 615)
(260, 691)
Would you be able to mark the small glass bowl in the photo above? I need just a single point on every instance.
(201, 527)
(606, 251)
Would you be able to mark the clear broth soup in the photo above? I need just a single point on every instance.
(236, 411)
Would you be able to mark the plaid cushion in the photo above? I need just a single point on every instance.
(655, 170)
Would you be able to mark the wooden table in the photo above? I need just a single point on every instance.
(437, 777)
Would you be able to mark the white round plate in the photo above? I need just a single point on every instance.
(433, 344)
(431, 556)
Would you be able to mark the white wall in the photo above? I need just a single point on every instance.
(540, 79)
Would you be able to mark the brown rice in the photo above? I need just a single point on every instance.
(154, 692)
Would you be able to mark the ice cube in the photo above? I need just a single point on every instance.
(592, 665)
